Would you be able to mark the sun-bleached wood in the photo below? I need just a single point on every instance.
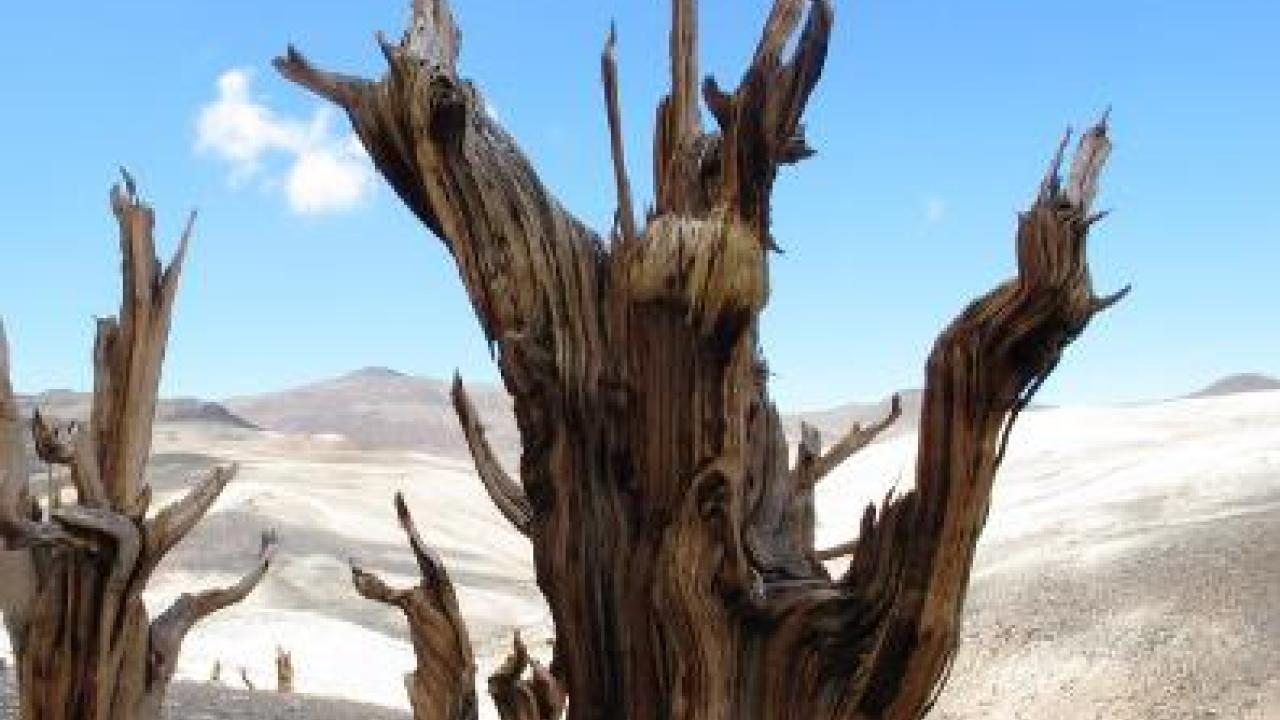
(84, 646)
(670, 537)
(442, 687)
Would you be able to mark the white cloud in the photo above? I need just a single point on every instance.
(935, 208)
(323, 170)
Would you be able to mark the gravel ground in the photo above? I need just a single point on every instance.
(189, 701)
(1185, 624)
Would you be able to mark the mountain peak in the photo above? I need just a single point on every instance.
(377, 372)
(1238, 383)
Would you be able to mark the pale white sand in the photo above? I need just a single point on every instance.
(1124, 571)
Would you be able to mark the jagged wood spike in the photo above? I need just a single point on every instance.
(609, 78)
(172, 625)
(784, 18)
(684, 70)
(174, 521)
(516, 697)
(85, 646)
(504, 491)
(443, 685)
(812, 465)
(980, 370)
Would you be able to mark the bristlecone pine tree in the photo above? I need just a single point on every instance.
(670, 537)
(85, 647)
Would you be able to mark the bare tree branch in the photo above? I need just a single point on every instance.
(985, 367)
(609, 76)
(428, 133)
(506, 494)
(433, 36)
(811, 467)
(174, 521)
(837, 551)
(684, 71)
(171, 627)
(442, 686)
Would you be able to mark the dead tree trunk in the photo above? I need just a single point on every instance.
(672, 542)
(85, 648)
(284, 671)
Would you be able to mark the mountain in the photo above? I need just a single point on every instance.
(377, 407)
(71, 405)
(1239, 383)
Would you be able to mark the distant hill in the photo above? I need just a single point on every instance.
(1240, 383)
(381, 408)
(378, 407)
(71, 405)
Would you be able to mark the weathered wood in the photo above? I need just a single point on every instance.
(517, 697)
(85, 648)
(443, 685)
(670, 537)
(812, 465)
(505, 492)
(609, 79)
(284, 671)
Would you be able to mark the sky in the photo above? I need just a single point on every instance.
(933, 124)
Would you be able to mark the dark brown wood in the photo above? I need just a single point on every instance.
(671, 538)
(524, 689)
(85, 647)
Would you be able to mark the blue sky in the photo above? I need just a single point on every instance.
(933, 123)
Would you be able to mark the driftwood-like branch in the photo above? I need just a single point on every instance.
(175, 521)
(536, 697)
(834, 552)
(443, 685)
(609, 78)
(504, 491)
(812, 465)
(433, 36)
(426, 129)
(761, 120)
(986, 365)
(171, 626)
(683, 123)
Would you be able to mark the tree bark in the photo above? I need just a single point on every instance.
(85, 647)
(672, 541)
